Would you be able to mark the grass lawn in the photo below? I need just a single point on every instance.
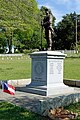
(15, 67)
(12, 68)
(72, 68)
(12, 112)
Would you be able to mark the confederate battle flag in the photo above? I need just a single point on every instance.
(8, 88)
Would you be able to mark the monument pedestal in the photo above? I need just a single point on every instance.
(47, 74)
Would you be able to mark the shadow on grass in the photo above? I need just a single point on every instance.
(12, 112)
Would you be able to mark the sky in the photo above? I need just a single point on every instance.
(60, 8)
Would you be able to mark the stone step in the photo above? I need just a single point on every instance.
(33, 89)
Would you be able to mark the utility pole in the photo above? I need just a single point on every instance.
(41, 34)
(76, 33)
(76, 25)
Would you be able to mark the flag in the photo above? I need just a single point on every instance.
(8, 88)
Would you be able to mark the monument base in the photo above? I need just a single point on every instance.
(58, 89)
(52, 90)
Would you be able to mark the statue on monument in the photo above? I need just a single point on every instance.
(49, 31)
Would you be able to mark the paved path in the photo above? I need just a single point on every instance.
(23, 99)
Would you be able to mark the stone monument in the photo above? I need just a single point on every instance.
(47, 67)
(47, 74)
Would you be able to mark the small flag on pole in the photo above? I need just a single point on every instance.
(8, 88)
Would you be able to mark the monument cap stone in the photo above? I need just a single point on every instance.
(48, 53)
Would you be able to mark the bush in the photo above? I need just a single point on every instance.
(1, 50)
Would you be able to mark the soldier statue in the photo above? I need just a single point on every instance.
(49, 32)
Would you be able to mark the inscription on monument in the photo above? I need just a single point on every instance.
(55, 66)
(39, 68)
(51, 67)
(59, 67)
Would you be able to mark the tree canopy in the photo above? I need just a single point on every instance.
(20, 17)
(66, 32)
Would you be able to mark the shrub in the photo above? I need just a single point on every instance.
(1, 50)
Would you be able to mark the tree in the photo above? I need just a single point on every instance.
(19, 15)
(66, 32)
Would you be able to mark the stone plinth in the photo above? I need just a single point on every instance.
(47, 73)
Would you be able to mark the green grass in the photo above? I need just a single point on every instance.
(72, 68)
(15, 68)
(12, 112)
(12, 68)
